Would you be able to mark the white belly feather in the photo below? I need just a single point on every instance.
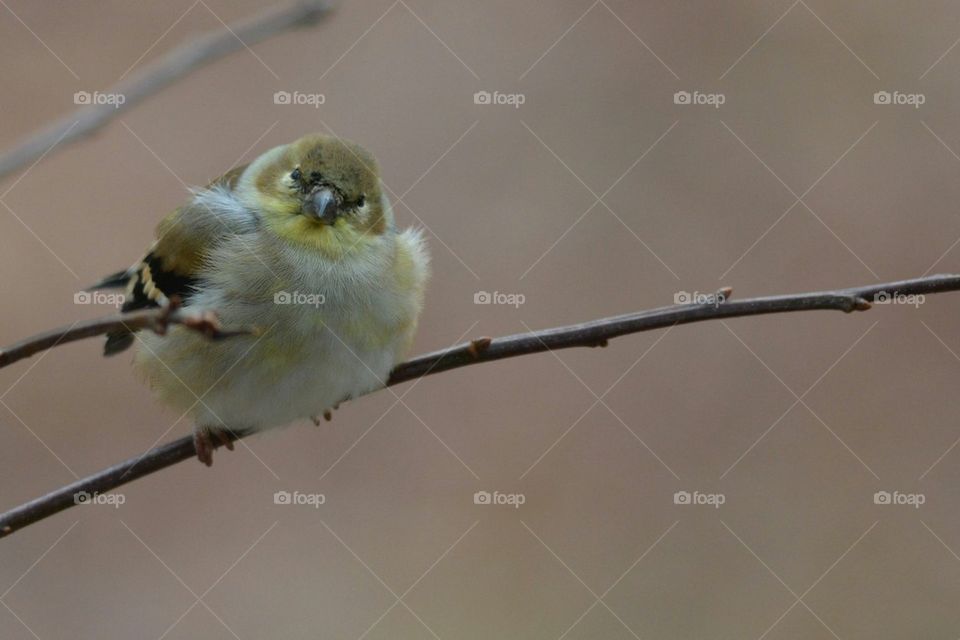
(313, 353)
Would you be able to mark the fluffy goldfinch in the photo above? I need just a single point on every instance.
(300, 243)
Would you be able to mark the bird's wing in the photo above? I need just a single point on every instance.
(173, 263)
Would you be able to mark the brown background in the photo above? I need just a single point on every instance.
(799, 519)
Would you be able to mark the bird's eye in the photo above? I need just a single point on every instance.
(296, 176)
(361, 201)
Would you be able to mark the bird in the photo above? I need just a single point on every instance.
(301, 243)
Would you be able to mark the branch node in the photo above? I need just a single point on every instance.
(206, 323)
(724, 294)
(478, 346)
(861, 304)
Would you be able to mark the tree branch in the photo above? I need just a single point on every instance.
(156, 320)
(594, 333)
(171, 67)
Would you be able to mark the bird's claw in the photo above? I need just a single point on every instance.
(327, 415)
(203, 443)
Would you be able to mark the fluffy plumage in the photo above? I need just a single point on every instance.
(302, 244)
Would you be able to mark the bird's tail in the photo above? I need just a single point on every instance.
(121, 339)
(118, 341)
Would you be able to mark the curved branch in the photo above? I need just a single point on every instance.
(594, 333)
(174, 65)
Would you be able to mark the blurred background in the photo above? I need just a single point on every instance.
(629, 153)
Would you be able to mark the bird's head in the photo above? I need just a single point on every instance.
(322, 192)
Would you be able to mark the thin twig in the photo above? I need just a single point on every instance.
(171, 67)
(589, 334)
(154, 319)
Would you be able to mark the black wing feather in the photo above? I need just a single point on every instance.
(149, 285)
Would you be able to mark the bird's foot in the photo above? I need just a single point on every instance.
(203, 443)
(327, 415)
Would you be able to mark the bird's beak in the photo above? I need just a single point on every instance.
(322, 206)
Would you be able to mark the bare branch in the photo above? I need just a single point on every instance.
(174, 65)
(594, 333)
(156, 320)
